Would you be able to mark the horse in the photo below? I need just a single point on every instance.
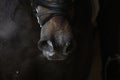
(42, 40)
(56, 39)
(19, 34)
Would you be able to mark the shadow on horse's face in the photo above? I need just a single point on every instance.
(56, 37)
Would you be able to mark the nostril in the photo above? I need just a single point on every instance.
(69, 46)
(50, 43)
(42, 44)
(47, 48)
(45, 45)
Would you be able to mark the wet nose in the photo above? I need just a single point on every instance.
(54, 46)
(54, 50)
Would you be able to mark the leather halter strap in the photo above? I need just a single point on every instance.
(54, 9)
(54, 5)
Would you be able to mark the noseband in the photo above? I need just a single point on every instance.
(54, 9)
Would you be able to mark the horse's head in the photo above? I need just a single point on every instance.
(54, 19)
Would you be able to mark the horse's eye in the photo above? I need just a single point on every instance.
(69, 46)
